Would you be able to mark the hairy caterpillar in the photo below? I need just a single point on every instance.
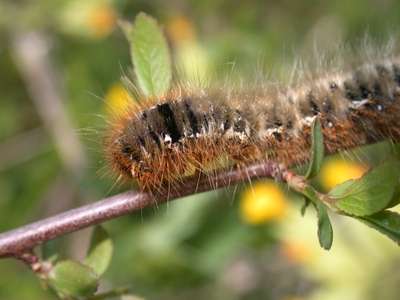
(160, 141)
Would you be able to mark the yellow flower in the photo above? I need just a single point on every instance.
(180, 29)
(264, 201)
(296, 251)
(101, 20)
(337, 171)
(117, 100)
(89, 18)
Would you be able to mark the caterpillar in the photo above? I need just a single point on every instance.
(160, 141)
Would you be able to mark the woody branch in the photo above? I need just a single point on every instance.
(22, 240)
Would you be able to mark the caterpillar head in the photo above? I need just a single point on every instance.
(128, 156)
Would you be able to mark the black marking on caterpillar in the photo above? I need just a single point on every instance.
(170, 123)
(194, 124)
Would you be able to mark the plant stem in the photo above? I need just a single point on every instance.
(25, 238)
(34, 263)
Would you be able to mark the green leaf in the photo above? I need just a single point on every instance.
(395, 198)
(310, 194)
(100, 251)
(150, 55)
(396, 150)
(386, 222)
(371, 193)
(73, 279)
(132, 297)
(51, 249)
(305, 206)
(325, 233)
(113, 294)
(317, 149)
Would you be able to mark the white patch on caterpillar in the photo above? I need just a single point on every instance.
(358, 104)
(167, 139)
(307, 121)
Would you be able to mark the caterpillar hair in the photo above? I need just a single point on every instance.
(160, 141)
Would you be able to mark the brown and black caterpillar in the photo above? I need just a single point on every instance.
(161, 141)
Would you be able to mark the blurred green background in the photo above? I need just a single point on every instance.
(60, 64)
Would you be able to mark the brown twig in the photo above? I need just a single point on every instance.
(24, 239)
(41, 268)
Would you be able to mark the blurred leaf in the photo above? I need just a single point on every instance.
(310, 194)
(304, 206)
(371, 193)
(50, 250)
(150, 55)
(325, 233)
(317, 149)
(396, 149)
(73, 279)
(341, 189)
(100, 251)
(386, 222)
(395, 198)
(112, 294)
(131, 297)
